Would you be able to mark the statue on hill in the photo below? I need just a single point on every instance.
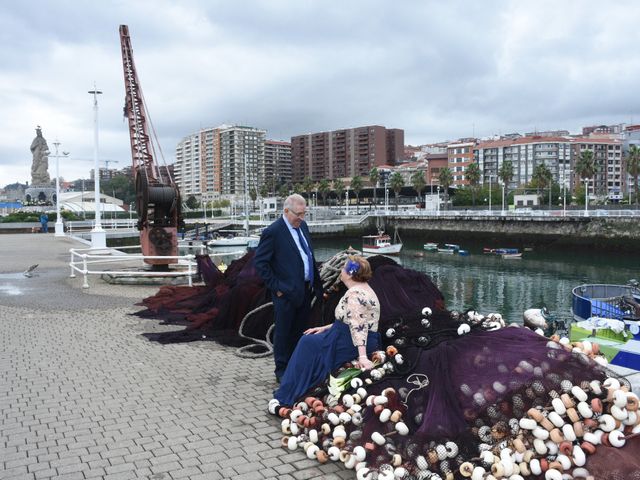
(40, 165)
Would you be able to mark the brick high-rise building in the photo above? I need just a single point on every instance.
(344, 153)
(277, 164)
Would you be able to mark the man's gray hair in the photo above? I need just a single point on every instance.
(295, 199)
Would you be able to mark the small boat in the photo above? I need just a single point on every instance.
(232, 238)
(610, 316)
(501, 251)
(450, 249)
(381, 244)
(511, 256)
(431, 247)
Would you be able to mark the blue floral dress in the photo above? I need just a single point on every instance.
(317, 355)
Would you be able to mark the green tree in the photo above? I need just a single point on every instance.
(253, 195)
(338, 187)
(374, 176)
(308, 185)
(324, 187)
(542, 178)
(120, 186)
(192, 202)
(264, 190)
(632, 163)
(418, 183)
(298, 188)
(356, 186)
(586, 168)
(473, 175)
(396, 182)
(445, 179)
(283, 191)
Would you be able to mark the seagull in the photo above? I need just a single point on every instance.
(27, 272)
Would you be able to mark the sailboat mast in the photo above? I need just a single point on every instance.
(246, 212)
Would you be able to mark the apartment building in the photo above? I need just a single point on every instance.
(345, 153)
(609, 179)
(459, 156)
(525, 154)
(213, 161)
(277, 164)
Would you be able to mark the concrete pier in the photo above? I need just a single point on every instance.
(83, 395)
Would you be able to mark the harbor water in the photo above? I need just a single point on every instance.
(490, 283)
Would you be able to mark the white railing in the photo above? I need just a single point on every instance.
(85, 226)
(84, 262)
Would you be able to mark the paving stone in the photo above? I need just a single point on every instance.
(85, 395)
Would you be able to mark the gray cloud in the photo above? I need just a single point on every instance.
(439, 70)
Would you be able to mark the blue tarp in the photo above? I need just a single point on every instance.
(10, 205)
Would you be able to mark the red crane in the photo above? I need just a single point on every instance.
(157, 197)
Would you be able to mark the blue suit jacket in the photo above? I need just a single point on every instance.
(278, 262)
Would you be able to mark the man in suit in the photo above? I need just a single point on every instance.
(284, 259)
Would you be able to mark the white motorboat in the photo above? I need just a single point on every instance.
(380, 244)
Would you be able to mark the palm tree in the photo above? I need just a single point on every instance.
(632, 162)
(445, 179)
(324, 188)
(396, 182)
(338, 187)
(586, 168)
(283, 191)
(418, 182)
(473, 175)
(264, 190)
(307, 186)
(374, 176)
(506, 175)
(543, 178)
(356, 186)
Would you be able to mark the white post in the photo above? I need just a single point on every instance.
(438, 202)
(386, 198)
(59, 225)
(98, 235)
(564, 195)
(489, 194)
(346, 202)
(503, 198)
(586, 197)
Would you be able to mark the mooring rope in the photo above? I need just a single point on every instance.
(330, 278)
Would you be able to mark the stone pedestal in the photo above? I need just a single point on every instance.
(40, 195)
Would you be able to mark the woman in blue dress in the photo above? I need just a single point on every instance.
(353, 334)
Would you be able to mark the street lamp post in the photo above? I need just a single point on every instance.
(98, 235)
(586, 197)
(386, 197)
(59, 225)
(346, 201)
(489, 194)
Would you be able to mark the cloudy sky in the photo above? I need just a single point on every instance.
(439, 70)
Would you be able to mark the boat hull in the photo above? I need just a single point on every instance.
(387, 250)
(232, 242)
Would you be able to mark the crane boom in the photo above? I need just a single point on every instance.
(157, 200)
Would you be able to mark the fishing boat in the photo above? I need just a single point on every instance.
(451, 248)
(233, 238)
(610, 316)
(381, 244)
(431, 247)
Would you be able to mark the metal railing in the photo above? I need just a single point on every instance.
(84, 262)
(85, 226)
